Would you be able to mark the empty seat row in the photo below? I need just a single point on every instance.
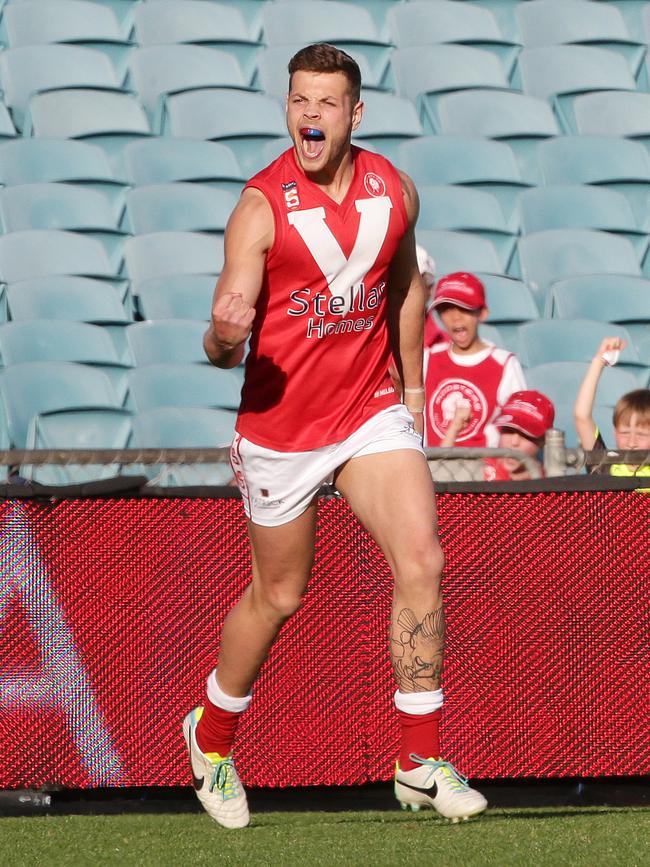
(35, 387)
(76, 407)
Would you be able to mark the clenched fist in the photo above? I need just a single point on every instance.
(232, 319)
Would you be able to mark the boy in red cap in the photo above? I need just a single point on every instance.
(522, 423)
(466, 378)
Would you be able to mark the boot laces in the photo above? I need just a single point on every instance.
(456, 781)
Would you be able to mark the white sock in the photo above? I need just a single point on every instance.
(419, 703)
(221, 699)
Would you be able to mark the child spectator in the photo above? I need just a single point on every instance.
(631, 413)
(522, 424)
(466, 379)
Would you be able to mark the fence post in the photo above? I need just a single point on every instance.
(555, 458)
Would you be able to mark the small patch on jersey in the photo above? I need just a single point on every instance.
(374, 185)
(291, 197)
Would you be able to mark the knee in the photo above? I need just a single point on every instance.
(421, 568)
(280, 602)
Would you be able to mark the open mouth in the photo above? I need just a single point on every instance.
(313, 142)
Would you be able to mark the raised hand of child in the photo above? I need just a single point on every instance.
(609, 350)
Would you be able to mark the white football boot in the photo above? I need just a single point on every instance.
(435, 783)
(215, 780)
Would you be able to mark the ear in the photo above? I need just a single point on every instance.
(483, 315)
(357, 114)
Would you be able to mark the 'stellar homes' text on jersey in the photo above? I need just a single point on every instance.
(319, 353)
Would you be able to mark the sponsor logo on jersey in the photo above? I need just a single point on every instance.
(317, 306)
(449, 394)
(291, 197)
(374, 185)
(345, 276)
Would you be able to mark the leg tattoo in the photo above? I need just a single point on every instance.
(417, 650)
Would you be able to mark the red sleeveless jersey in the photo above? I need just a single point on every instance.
(447, 384)
(317, 368)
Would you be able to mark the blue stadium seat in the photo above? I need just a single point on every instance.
(161, 160)
(612, 112)
(592, 160)
(342, 24)
(43, 252)
(169, 384)
(85, 428)
(510, 304)
(491, 334)
(194, 21)
(67, 21)
(602, 415)
(178, 207)
(108, 119)
(466, 209)
(158, 70)
(560, 380)
(605, 297)
(241, 120)
(165, 340)
(576, 206)
(26, 161)
(272, 149)
(36, 387)
(556, 22)
(460, 251)
(553, 70)
(387, 122)
(176, 296)
(504, 12)
(39, 340)
(32, 69)
(159, 254)
(433, 69)
(425, 23)
(549, 340)
(556, 254)
(620, 164)
(189, 427)
(559, 73)
(508, 116)
(642, 346)
(79, 299)
(63, 206)
(488, 165)
(273, 78)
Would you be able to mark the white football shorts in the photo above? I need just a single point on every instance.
(277, 487)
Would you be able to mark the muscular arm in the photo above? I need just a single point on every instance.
(248, 238)
(406, 301)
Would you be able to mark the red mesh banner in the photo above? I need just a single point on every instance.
(110, 612)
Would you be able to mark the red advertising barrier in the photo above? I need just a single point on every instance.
(110, 611)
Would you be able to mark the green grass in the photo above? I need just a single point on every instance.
(591, 836)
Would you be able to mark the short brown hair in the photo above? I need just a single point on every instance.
(322, 57)
(636, 403)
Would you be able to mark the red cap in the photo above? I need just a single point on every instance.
(461, 289)
(530, 412)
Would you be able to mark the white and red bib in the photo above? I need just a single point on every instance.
(481, 382)
(319, 353)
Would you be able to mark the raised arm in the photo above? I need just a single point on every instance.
(406, 301)
(248, 238)
(584, 405)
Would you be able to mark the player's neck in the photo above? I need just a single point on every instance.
(474, 347)
(335, 179)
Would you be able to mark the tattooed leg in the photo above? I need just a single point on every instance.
(417, 649)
